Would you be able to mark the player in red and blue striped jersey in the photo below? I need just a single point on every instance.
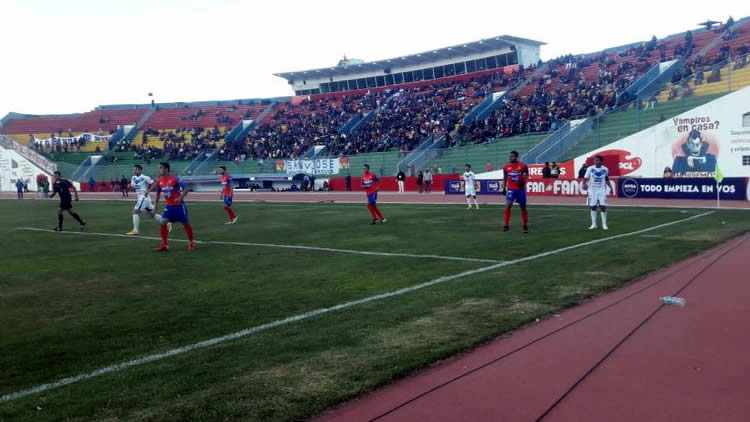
(369, 181)
(226, 193)
(174, 194)
(515, 174)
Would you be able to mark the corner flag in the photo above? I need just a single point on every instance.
(718, 176)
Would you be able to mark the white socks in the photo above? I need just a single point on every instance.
(136, 222)
(475, 202)
(604, 218)
(468, 201)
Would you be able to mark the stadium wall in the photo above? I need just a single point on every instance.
(14, 166)
(389, 184)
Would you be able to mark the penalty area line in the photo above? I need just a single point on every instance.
(273, 245)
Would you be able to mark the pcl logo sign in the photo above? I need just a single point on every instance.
(619, 162)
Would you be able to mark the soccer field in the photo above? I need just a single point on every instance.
(299, 306)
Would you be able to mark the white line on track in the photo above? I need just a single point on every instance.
(307, 315)
(273, 245)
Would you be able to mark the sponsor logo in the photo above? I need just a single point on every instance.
(493, 186)
(630, 188)
(456, 186)
(619, 162)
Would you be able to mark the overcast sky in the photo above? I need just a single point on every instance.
(66, 56)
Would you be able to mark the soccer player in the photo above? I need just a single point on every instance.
(370, 183)
(141, 183)
(596, 181)
(62, 187)
(226, 194)
(471, 192)
(174, 194)
(515, 173)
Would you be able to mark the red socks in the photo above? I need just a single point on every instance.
(230, 213)
(188, 232)
(377, 211)
(164, 233)
(524, 217)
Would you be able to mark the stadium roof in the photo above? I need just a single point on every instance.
(459, 50)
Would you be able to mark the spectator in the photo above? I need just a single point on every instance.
(348, 182)
(488, 166)
(546, 171)
(19, 189)
(582, 171)
(401, 179)
(668, 173)
(428, 180)
(44, 185)
(420, 178)
(92, 184)
(454, 169)
(124, 186)
(554, 171)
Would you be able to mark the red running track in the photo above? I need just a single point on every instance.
(620, 357)
(407, 198)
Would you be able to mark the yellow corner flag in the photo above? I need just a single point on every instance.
(718, 176)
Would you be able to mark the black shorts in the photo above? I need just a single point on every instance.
(66, 205)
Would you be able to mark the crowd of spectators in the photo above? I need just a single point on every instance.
(539, 99)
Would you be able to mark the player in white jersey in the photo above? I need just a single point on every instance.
(471, 192)
(596, 181)
(141, 182)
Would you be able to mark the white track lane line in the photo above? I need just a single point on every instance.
(307, 315)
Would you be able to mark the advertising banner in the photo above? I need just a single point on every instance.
(691, 144)
(541, 187)
(731, 188)
(316, 167)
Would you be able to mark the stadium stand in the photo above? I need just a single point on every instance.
(538, 99)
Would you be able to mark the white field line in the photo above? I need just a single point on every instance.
(307, 315)
(273, 245)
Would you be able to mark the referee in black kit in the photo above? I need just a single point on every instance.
(63, 187)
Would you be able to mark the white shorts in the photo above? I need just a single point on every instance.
(597, 197)
(471, 191)
(143, 204)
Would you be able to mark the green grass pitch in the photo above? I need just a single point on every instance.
(70, 304)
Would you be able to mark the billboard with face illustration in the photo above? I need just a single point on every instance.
(691, 144)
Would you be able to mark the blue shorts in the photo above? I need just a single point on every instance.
(372, 198)
(516, 195)
(228, 200)
(176, 214)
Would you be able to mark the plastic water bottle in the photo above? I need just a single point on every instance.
(671, 300)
